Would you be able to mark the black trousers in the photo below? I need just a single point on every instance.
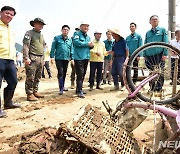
(135, 68)
(81, 68)
(95, 68)
(62, 66)
(73, 72)
(9, 73)
(46, 65)
(152, 62)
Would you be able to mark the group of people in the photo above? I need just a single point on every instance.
(79, 50)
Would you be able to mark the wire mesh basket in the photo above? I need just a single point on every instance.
(98, 132)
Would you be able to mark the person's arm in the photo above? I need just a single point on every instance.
(44, 43)
(26, 46)
(127, 50)
(95, 51)
(140, 43)
(77, 42)
(52, 52)
(72, 51)
(145, 41)
(105, 53)
(94, 48)
(112, 51)
(165, 40)
(53, 48)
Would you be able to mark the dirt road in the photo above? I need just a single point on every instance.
(55, 109)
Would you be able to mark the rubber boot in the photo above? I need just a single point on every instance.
(80, 94)
(8, 103)
(2, 113)
(78, 86)
(79, 90)
(64, 88)
(91, 87)
(116, 88)
(60, 81)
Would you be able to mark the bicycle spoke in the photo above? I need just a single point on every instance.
(159, 89)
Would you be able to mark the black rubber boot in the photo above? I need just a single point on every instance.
(61, 87)
(2, 113)
(8, 95)
(91, 88)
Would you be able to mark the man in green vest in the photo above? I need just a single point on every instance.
(156, 56)
(134, 41)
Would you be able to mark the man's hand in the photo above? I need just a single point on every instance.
(138, 58)
(52, 60)
(164, 58)
(110, 52)
(98, 54)
(27, 61)
(72, 62)
(90, 44)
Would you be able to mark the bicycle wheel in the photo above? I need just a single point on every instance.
(160, 89)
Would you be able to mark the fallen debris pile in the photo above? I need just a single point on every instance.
(46, 141)
(90, 131)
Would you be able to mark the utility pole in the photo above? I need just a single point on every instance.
(172, 18)
(171, 26)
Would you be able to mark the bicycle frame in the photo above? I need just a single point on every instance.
(125, 103)
(167, 111)
(140, 85)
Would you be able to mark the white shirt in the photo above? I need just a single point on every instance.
(19, 56)
(176, 44)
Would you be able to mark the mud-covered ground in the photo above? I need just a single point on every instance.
(55, 109)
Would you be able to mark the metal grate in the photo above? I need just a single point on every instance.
(93, 128)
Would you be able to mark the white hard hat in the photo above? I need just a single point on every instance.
(84, 23)
(97, 32)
